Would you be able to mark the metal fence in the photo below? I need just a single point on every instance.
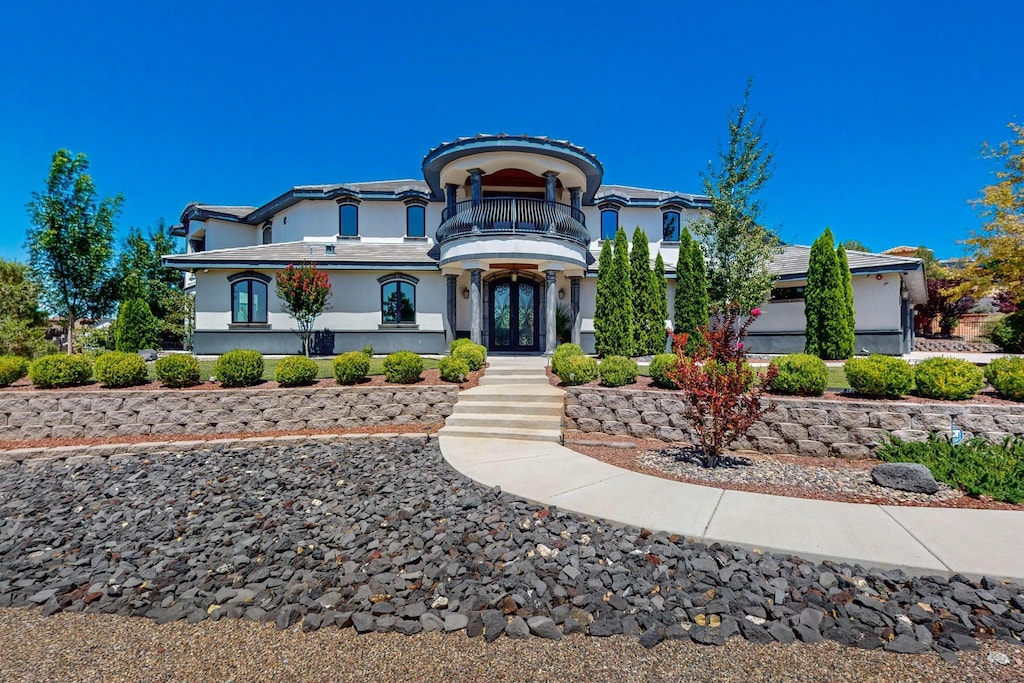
(973, 327)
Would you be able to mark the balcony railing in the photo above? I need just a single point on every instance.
(512, 216)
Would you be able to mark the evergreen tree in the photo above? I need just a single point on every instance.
(691, 303)
(849, 342)
(602, 305)
(618, 336)
(825, 302)
(660, 313)
(136, 327)
(646, 330)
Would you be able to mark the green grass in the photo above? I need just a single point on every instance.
(324, 367)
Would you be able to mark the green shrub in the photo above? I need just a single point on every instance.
(403, 367)
(473, 354)
(456, 343)
(977, 466)
(351, 367)
(117, 369)
(368, 351)
(294, 371)
(877, 375)
(949, 379)
(563, 351)
(12, 368)
(178, 371)
(617, 371)
(60, 370)
(660, 366)
(1006, 375)
(576, 370)
(800, 374)
(453, 368)
(1008, 333)
(136, 327)
(239, 368)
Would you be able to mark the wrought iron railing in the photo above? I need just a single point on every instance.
(513, 215)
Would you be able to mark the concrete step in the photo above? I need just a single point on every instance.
(553, 435)
(488, 422)
(513, 370)
(548, 408)
(519, 378)
(507, 393)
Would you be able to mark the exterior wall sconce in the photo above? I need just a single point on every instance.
(465, 292)
(515, 275)
(561, 294)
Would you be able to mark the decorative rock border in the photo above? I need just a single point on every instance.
(84, 414)
(804, 426)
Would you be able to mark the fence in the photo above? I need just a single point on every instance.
(973, 327)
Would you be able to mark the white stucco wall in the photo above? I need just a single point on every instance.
(649, 218)
(876, 302)
(376, 219)
(226, 234)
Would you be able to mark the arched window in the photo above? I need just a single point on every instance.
(249, 298)
(268, 234)
(670, 226)
(348, 220)
(609, 223)
(398, 299)
(416, 220)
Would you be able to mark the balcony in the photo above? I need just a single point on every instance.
(513, 216)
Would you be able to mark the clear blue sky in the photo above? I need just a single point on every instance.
(876, 110)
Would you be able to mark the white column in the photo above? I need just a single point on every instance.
(551, 302)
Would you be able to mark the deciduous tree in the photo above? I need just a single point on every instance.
(22, 324)
(305, 293)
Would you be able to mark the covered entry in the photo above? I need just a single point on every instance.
(513, 315)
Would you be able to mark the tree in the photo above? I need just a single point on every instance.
(691, 302)
(136, 328)
(613, 320)
(942, 305)
(825, 302)
(849, 340)
(660, 299)
(71, 241)
(738, 250)
(647, 330)
(855, 245)
(305, 293)
(602, 300)
(22, 324)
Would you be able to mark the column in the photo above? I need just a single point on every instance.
(577, 319)
(550, 178)
(551, 303)
(450, 299)
(475, 306)
(476, 184)
(574, 198)
(449, 195)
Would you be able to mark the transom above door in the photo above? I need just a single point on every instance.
(514, 315)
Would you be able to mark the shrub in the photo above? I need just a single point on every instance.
(239, 368)
(136, 327)
(295, 370)
(660, 366)
(1006, 375)
(351, 367)
(117, 369)
(456, 343)
(403, 367)
(12, 368)
(1008, 333)
(368, 351)
(979, 467)
(617, 371)
(563, 351)
(60, 370)
(576, 370)
(950, 379)
(473, 354)
(178, 371)
(453, 368)
(800, 374)
(877, 375)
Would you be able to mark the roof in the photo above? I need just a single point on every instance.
(645, 195)
(348, 254)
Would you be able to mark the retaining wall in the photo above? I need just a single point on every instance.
(791, 425)
(97, 413)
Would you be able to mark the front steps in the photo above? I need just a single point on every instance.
(514, 400)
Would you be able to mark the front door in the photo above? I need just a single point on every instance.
(514, 316)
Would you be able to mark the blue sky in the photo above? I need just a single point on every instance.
(876, 110)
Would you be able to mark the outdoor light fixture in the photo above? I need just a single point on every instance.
(465, 292)
(515, 275)
(561, 294)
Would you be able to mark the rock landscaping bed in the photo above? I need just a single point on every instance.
(379, 535)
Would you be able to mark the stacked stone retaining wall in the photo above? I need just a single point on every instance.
(84, 414)
(791, 425)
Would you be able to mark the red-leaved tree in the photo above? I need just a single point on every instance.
(721, 392)
(305, 293)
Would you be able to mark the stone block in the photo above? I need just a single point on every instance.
(415, 409)
(228, 427)
(150, 416)
(233, 402)
(790, 431)
(910, 434)
(614, 427)
(291, 424)
(679, 421)
(577, 411)
(74, 404)
(671, 434)
(849, 419)
(976, 422)
(404, 419)
(322, 423)
(169, 428)
(850, 450)
(888, 421)
(171, 401)
(828, 433)
(87, 417)
(292, 401)
(776, 413)
(759, 430)
(121, 417)
(134, 429)
(263, 401)
(669, 405)
(306, 413)
(1010, 423)
(73, 431)
(246, 414)
(602, 413)
(643, 404)
(28, 418)
(59, 417)
(932, 422)
(43, 405)
(627, 415)
(654, 418)
(278, 414)
(772, 444)
(443, 409)
(868, 436)
(107, 404)
(587, 424)
(389, 410)
(139, 403)
(640, 431)
(380, 398)
(808, 416)
(261, 426)
(810, 447)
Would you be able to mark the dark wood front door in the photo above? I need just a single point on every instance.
(514, 315)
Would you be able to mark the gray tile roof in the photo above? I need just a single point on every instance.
(371, 186)
(643, 193)
(795, 259)
(239, 211)
(347, 254)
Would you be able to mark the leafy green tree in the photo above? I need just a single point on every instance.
(22, 325)
(738, 249)
(660, 313)
(71, 239)
(825, 302)
(849, 339)
(136, 327)
(602, 300)
(305, 293)
(855, 245)
(617, 329)
(691, 302)
(647, 330)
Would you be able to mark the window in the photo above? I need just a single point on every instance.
(609, 224)
(268, 234)
(416, 221)
(249, 299)
(348, 220)
(788, 293)
(398, 299)
(197, 244)
(670, 226)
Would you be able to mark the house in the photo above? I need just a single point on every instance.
(500, 233)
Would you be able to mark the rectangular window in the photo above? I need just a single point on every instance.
(670, 226)
(609, 224)
(416, 221)
(398, 302)
(788, 293)
(348, 220)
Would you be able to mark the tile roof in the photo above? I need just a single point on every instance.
(347, 253)
(643, 193)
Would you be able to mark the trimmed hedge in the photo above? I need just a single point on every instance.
(576, 370)
(12, 368)
(453, 368)
(562, 352)
(948, 379)
(1006, 375)
(239, 368)
(403, 367)
(177, 371)
(660, 366)
(458, 343)
(881, 376)
(117, 369)
(295, 371)
(473, 354)
(617, 371)
(799, 374)
(351, 367)
(60, 370)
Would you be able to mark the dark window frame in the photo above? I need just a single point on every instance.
(422, 209)
(665, 217)
(344, 230)
(249, 282)
(609, 210)
(783, 294)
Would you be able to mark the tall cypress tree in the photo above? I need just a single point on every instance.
(660, 313)
(602, 305)
(646, 332)
(691, 303)
(849, 342)
(825, 301)
(619, 340)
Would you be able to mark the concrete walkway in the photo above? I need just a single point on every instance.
(919, 540)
